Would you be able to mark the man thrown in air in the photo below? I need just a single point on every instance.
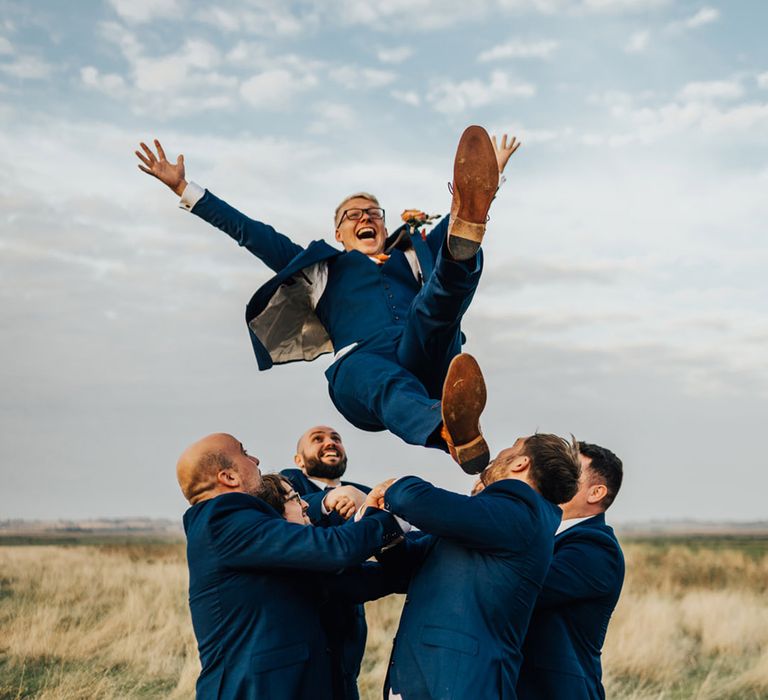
(391, 314)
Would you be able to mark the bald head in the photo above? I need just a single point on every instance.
(321, 454)
(216, 464)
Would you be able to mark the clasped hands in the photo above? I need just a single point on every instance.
(345, 500)
(375, 499)
(348, 500)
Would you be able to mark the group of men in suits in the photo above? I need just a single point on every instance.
(503, 600)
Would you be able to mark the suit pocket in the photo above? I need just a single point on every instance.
(280, 658)
(445, 659)
(449, 639)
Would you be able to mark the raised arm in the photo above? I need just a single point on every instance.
(480, 522)
(170, 174)
(274, 249)
(505, 150)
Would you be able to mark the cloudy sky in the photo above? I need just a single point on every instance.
(624, 296)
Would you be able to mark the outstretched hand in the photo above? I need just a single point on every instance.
(505, 151)
(158, 166)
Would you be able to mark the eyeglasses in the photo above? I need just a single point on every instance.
(292, 497)
(374, 214)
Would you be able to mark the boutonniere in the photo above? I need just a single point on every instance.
(416, 219)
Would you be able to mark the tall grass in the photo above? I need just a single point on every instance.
(112, 622)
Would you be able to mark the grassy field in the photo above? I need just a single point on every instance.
(110, 620)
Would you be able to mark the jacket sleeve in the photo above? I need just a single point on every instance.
(583, 567)
(359, 584)
(486, 523)
(246, 538)
(403, 560)
(274, 249)
(315, 511)
(437, 235)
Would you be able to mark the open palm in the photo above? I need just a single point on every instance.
(172, 174)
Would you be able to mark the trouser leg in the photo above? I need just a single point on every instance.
(432, 335)
(373, 392)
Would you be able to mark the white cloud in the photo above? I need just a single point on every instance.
(528, 136)
(762, 80)
(449, 97)
(638, 42)
(5, 46)
(264, 21)
(360, 78)
(274, 89)
(396, 54)
(108, 83)
(712, 90)
(706, 15)
(650, 124)
(140, 11)
(410, 97)
(517, 48)
(619, 5)
(332, 116)
(183, 82)
(175, 71)
(408, 16)
(27, 68)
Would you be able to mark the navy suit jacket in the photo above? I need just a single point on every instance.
(567, 631)
(344, 622)
(254, 608)
(473, 585)
(281, 322)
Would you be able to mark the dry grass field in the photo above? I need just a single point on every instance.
(111, 621)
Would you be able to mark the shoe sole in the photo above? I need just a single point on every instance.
(475, 181)
(463, 401)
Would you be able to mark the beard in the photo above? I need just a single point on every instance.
(314, 466)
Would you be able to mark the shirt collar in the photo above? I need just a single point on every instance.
(322, 485)
(566, 524)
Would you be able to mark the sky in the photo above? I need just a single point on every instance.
(624, 293)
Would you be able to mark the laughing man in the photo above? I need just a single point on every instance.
(391, 314)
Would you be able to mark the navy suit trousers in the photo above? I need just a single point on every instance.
(395, 380)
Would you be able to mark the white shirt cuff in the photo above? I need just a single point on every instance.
(405, 526)
(191, 195)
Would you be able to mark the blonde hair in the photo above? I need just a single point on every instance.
(356, 195)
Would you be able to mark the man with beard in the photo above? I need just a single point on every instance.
(322, 461)
(251, 594)
(475, 577)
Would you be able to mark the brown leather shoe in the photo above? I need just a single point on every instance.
(463, 401)
(475, 181)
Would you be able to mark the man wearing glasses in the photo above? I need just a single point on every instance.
(252, 584)
(391, 313)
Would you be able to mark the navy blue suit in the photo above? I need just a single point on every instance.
(344, 622)
(254, 611)
(567, 631)
(406, 333)
(473, 585)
